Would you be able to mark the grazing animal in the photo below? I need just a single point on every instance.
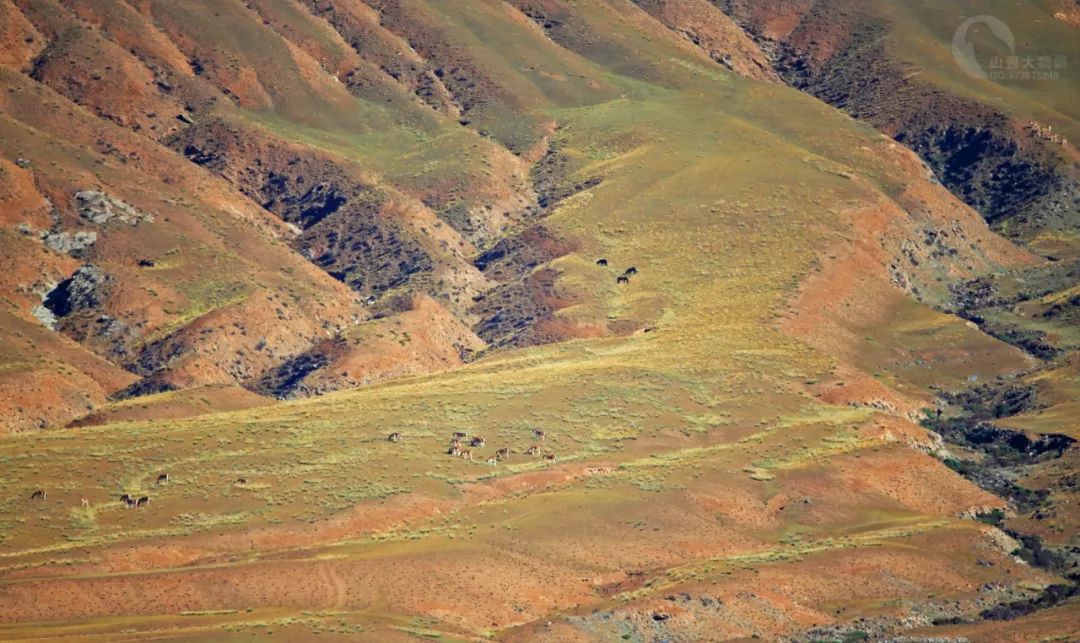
(550, 457)
(622, 279)
(125, 497)
(493, 461)
(539, 434)
(533, 450)
(40, 494)
(163, 478)
(454, 442)
(84, 502)
(460, 435)
(129, 501)
(502, 454)
(454, 450)
(466, 454)
(241, 481)
(631, 271)
(601, 262)
(141, 501)
(477, 442)
(394, 437)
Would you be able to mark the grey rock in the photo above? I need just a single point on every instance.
(70, 243)
(98, 207)
(81, 291)
(45, 316)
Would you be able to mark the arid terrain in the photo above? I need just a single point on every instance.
(759, 319)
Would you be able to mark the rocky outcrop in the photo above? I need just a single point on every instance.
(70, 243)
(84, 290)
(100, 208)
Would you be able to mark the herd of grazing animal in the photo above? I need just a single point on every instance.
(458, 439)
(455, 449)
(130, 501)
(624, 278)
(1046, 133)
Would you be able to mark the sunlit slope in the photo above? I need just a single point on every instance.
(892, 64)
(685, 453)
(208, 256)
(924, 34)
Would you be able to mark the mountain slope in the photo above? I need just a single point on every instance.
(721, 302)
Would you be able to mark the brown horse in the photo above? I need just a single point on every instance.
(142, 502)
(163, 478)
(502, 454)
(394, 437)
(40, 494)
(477, 442)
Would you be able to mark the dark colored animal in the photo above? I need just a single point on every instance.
(550, 457)
(394, 437)
(622, 279)
(146, 263)
(163, 478)
(477, 442)
(601, 262)
(502, 454)
(454, 450)
(241, 481)
(40, 494)
(128, 500)
(631, 271)
(460, 434)
(125, 497)
(539, 434)
(142, 501)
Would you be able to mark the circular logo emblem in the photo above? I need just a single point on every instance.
(963, 50)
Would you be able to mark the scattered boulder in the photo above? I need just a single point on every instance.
(69, 243)
(98, 207)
